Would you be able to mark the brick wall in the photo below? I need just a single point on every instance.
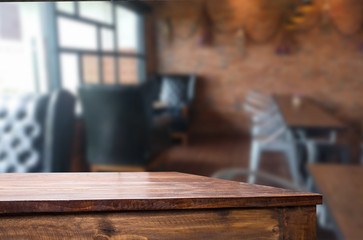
(327, 65)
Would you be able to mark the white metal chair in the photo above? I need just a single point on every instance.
(269, 133)
(281, 140)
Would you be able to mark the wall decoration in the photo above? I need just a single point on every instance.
(307, 7)
(326, 23)
(287, 45)
(241, 41)
(206, 27)
(360, 46)
(166, 29)
(174, 25)
(261, 21)
(346, 16)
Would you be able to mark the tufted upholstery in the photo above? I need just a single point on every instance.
(29, 125)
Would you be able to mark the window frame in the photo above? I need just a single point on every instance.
(55, 50)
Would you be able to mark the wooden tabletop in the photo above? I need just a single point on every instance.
(308, 115)
(342, 187)
(82, 192)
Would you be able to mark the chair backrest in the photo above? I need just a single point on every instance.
(118, 123)
(36, 132)
(60, 131)
(176, 89)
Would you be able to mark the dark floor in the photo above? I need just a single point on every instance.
(206, 155)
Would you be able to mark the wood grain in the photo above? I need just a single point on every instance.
(83, 192)
(266, 224)
(343, 193)
(116, 168)
(309, 115)
(299, 223)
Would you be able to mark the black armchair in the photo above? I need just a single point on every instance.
(174, 97)
(36, 132)
(120, 128)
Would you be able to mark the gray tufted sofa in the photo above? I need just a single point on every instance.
(36, 132)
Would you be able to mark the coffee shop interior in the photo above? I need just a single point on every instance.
(263, 92)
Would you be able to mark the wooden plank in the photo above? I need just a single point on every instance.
(308, 115)
(264, 224)
(343, 193)
(80, 192)
(299, 223)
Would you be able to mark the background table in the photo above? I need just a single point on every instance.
(342, 187)
(307, 116)
(150, 206)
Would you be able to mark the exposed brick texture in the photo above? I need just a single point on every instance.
(327, 65)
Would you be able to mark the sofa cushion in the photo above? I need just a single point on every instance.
(20, 133)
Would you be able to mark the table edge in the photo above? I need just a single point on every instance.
(110, 205)
(341, 127)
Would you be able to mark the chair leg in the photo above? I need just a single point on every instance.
(311, 148)
(254, 161)
(312, 151)
(344, 155)
(293, 161)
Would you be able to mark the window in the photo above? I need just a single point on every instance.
(77, 35)
(99, 43)
(65, 44)
(22, 58)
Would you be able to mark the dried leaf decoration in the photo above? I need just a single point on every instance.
(206, 27)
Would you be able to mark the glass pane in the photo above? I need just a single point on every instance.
(127, 30)
(107, 40)
(90, 69)
(108, 64)
(74, 34)
(22, 63)
(128, 73)
(70, 72)
(98, 11)
(67, 7)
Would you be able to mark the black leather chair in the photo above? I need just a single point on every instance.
(176, 93)
(36, 132)
(120, 128)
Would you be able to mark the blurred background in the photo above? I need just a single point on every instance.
(266, 92)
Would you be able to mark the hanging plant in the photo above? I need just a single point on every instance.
(206, 27)
(326, 23)
(360, 46)
(288, 44)
(241, 41)
(167, 30)
(346, 16)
